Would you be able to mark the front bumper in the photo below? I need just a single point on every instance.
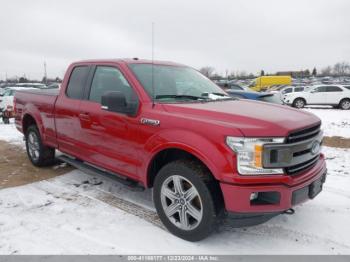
(276, 197)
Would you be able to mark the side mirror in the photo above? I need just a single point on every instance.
(115, 101)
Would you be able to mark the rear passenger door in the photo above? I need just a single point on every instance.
(67, 111)
(109, 138)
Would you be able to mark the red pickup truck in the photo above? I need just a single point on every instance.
(165, 126)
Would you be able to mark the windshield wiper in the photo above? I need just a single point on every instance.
(219, 94)
(181, 96)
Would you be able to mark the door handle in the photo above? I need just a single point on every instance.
(84, 117)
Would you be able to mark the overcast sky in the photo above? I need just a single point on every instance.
(238, 35)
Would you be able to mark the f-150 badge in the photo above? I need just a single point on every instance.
(150, 122)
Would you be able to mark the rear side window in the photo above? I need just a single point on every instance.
(347, 87)
(334, 89)
(77, 82)
(298, 89)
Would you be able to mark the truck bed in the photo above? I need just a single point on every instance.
(47, 92)
(40, 102)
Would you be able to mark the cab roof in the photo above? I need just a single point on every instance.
(128, 61)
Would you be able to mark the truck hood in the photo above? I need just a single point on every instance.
(252, 118)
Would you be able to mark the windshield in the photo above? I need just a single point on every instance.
(173, 83)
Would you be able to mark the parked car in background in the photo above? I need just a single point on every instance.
(289, 89)
(31, 85)
(265, 82)
(230, 86)
(6, 102)
(264, 97)
(335, 95)
(53, 86)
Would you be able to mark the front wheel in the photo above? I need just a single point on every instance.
(184, 201)
(39, 154)
(299, 103)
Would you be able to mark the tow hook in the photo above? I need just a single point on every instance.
(290, 211)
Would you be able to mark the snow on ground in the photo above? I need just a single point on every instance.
(335, 122)
(67, 215)
(75, 214)
(10, 134)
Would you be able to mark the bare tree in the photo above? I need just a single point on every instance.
(314, 72)
(341, 68)
(207, 71)
(327, 71)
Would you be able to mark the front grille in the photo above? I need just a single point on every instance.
(304, 134)
(299, 136)
(294, 170)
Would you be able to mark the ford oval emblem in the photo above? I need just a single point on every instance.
(315, 148)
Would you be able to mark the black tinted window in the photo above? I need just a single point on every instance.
(107, 79)
(334, 89)
(287, 91)
(298, 89)
(77, 82)
(347, 87)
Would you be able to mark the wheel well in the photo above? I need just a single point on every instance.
(346, 98)
(299, 98)
(166, 156)
(28, 120)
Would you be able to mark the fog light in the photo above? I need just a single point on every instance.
(254, 196)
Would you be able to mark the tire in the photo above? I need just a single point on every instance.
(345, 104)
(299, 103)
(201, 213)
(6, 120)
(39, 154)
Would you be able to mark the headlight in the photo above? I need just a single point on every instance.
(249, 154)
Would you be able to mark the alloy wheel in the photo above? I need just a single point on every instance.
(181, 202)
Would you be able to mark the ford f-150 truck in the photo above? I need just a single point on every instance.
(165, 126)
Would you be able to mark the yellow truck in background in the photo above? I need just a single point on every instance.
(265, 82)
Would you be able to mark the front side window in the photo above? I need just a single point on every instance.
(174, 83)
(107, 79)
(298, 89)
(320, 89)
(77, 81)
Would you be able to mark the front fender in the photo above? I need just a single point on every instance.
(215, 155)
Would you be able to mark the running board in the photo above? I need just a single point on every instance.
(91, 170)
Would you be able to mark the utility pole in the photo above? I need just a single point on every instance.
(45, 73)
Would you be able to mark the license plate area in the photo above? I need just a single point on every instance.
(308, 192)
(315, 188)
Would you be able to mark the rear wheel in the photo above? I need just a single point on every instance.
(38, 153)
(299, 103)
(184, 201)
(345, 104)
(6, 120)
